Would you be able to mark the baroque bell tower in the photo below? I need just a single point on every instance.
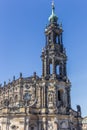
(54, 66)
(53, 55)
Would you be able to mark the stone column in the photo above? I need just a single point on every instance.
(68, 97)
(65, 69)
(46, 103)
(65, 99)
(42, 67)
(27, 123)
(60, 69)
(53, 63)
(60, 38)
(7, 123)
(45, 97)
(45, 67)
(41, 93)
(52, 37)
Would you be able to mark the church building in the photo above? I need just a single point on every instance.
(42, 103)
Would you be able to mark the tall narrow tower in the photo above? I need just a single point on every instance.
(53, 55)
(54, 62)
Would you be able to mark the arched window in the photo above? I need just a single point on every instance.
(57, 70)
(50, 68)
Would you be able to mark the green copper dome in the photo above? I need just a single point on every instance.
(53, 18)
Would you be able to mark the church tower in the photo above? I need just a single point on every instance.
(53, 55)
(54, 61)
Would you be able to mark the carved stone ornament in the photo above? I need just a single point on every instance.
(50, 126)
(32, 92)
(13, 127)
(50, 97)
(27, 96)
(14, 109)
(55, 120)
(6, 102)
(64, 124)
(27, 86)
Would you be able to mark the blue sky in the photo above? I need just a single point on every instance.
(22, 25)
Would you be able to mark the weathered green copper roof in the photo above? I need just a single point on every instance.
(53, 18)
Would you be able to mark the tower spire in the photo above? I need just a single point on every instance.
(53, 7)
(53, 18)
